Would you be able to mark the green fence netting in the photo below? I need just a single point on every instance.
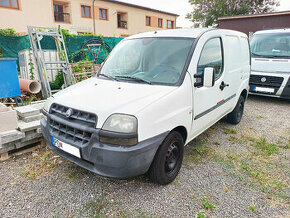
(11, 45)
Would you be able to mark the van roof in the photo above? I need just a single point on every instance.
(186, 32)
(281, 30)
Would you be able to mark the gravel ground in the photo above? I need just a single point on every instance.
(44, 185)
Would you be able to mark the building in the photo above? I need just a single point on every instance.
(106, 17)
(252, 23)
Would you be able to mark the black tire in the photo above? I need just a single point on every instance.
(236, 115)
(168, 159)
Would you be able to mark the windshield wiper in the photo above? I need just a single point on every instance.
(135, 78)
(108, 76)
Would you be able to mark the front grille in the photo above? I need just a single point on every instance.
(271, 81)
(70, 134)
(77, 129)
(76, 115)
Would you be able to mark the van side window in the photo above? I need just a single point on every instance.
(211, 56)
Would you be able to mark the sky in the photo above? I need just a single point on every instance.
(182, 7)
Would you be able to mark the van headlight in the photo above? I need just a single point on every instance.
(46, 107)
(120, 129)
(47, 104)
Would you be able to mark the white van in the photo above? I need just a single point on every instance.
(270, 74)
(155, 93)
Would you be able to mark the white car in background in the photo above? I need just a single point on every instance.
(155, 93)
(270, 73)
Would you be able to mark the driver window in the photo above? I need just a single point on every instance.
(211, 56)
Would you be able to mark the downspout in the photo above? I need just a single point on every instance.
(94, 21)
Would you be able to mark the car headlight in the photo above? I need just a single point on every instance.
(120, 129)
(48, 103)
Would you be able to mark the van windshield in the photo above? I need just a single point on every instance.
(271, 45)
(148, 60)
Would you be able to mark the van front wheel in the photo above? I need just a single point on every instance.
(236, 115)
(168, 159)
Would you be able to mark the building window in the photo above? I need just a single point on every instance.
(160, 22)
(9, 4)
(148, 21)
(61, 12)
(86, 11)
(122, 20)
(103, 14)
(170, 24)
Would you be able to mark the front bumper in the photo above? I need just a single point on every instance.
(110, 160)
(281, 89)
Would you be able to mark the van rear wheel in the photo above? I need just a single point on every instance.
(168, 159)
(236, 115)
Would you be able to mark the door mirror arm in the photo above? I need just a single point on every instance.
(200, 83)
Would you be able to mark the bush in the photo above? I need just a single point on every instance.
(58, 82)
(8, 32)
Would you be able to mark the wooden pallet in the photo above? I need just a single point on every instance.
(24, 150)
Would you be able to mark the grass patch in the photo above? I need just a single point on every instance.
(267, 148)
(206, 204)
(260, 117)
(252, 208)
(229, 131)
(235, 140)
(216, 143)
(200, 215)
(95, 208)
(41, 163)
(226, 189)
(256, 171)
(101, 207)
(198, 150)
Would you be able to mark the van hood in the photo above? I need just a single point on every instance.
(270, 65)
(105, 97)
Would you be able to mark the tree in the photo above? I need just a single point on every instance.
(207, 12)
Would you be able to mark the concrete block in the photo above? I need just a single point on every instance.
(8, 147)
(31, 135)
(29, 142)
(26, 111)
(24, 127)
(10, 136)
(8, 120)
(3, 108)
(32, 118)
(38, 106)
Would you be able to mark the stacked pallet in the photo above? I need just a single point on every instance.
(24, 134)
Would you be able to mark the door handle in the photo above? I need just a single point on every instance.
(223, 85)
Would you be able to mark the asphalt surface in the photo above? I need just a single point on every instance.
(42, 184)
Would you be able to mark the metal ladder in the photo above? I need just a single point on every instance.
(35, 36)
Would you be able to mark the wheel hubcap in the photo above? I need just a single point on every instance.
(171, 158)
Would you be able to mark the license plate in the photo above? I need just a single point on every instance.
(66, 147)
(262, 89)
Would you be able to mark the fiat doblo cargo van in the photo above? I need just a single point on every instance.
(270, 73)
(155, 93)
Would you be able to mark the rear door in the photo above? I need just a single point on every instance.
(207, 102)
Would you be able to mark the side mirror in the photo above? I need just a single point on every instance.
(208, 77)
